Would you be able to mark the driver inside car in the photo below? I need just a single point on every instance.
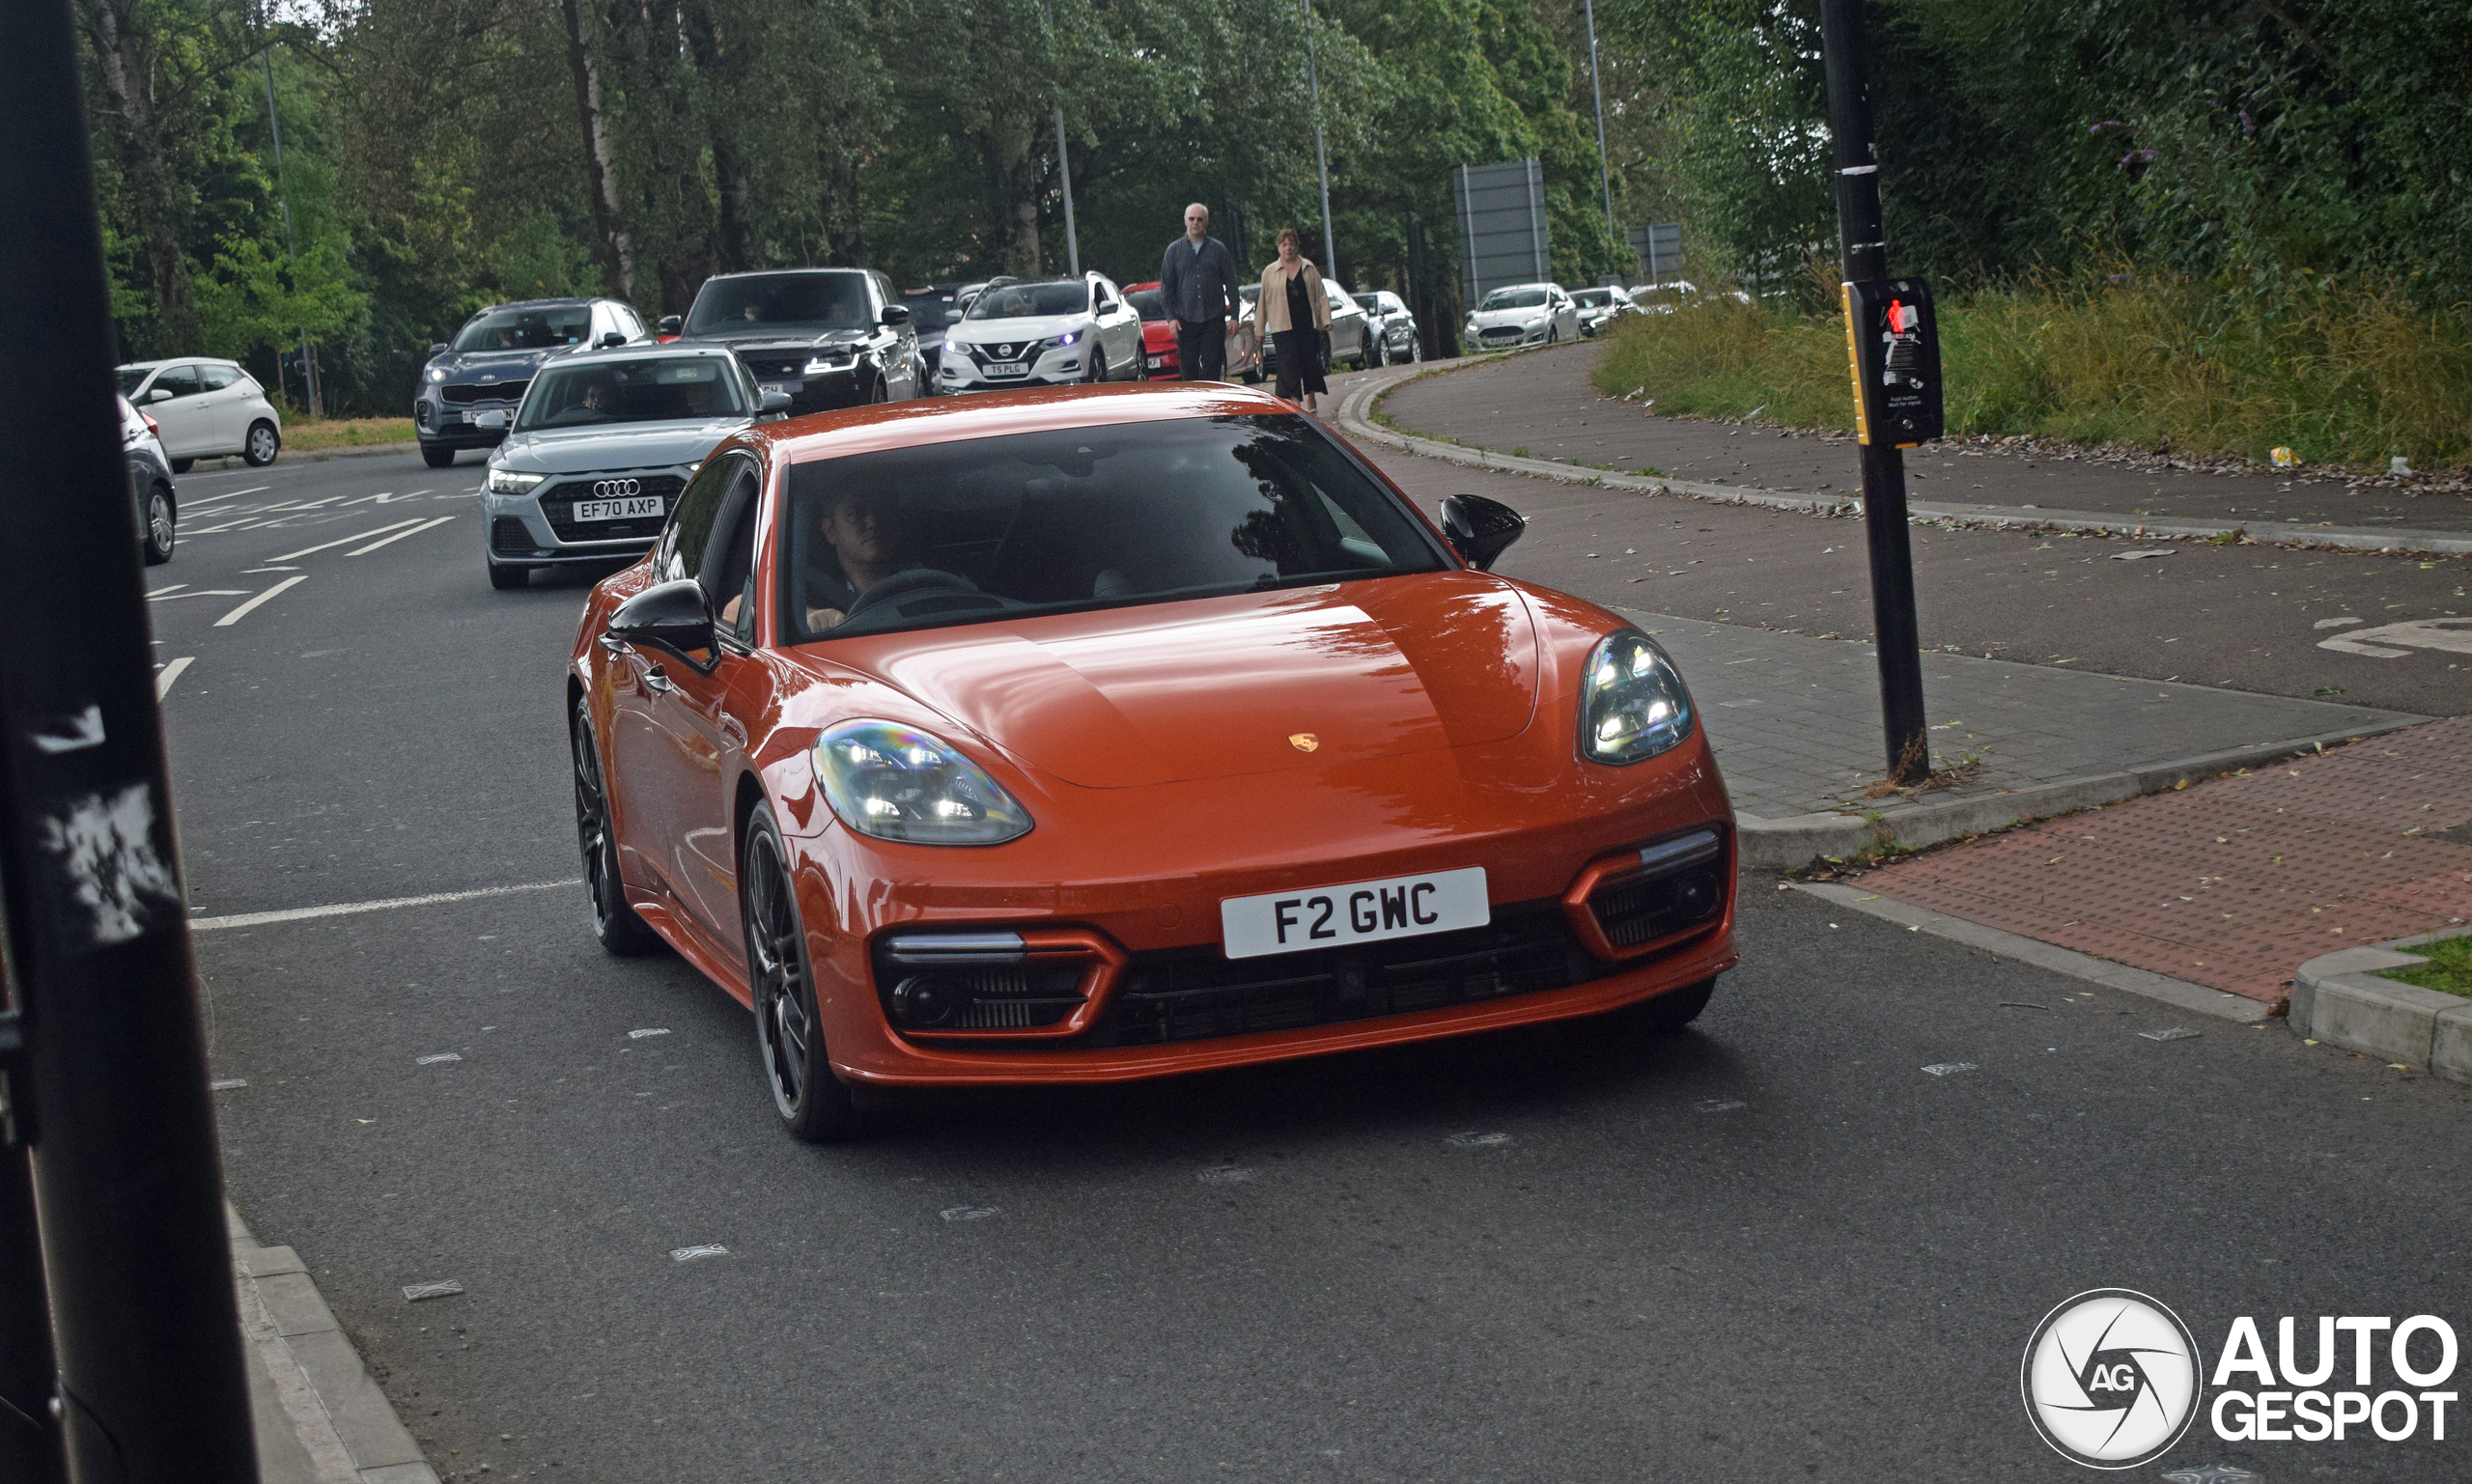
(863, 529)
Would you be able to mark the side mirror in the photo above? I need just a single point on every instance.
(896, 313)
(1480, 529)
(674, 616)
(437, 350)
(672, 324)
(612, 338)
(773, 402)
(158, 393)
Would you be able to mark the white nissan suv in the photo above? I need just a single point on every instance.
(1042, 332)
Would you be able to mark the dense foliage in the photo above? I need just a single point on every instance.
(2267, 146)
(441, 154)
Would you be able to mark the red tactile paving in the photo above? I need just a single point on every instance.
(2233, 883)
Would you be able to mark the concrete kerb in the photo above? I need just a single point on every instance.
(2342, 1000)
(321, 1418)
(2179, 994)
(1355, 418)
(1795, 842)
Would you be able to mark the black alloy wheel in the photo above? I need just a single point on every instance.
(814, 1104)
(261, 445)
(620, 931)
(1377, 353)
(1553, 334)
(436, 456)
(158, 526)
(1416, 347)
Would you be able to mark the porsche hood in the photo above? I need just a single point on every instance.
(1225, 686)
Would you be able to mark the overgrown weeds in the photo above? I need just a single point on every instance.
(2341, 373)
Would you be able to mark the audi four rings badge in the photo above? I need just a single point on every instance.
(617, 489)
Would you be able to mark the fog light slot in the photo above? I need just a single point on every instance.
(1040, 982)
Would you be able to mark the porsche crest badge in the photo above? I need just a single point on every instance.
(1304, 741)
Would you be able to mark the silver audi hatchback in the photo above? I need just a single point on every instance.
(600, 447)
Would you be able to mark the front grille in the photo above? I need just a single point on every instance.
(508, 536)
(498, 391)
(776, 368)
(1504, 332)
(558, 504)
(1196, 994)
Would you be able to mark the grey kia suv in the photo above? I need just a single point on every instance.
(468, 390)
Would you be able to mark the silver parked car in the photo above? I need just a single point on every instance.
(207, 408)
(1522, 315)
(1391, 328)
(1601, 307)
(600, 448)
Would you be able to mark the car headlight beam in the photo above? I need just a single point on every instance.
(1632, 701)
(437, 374)
(894, 782)
(513, 482)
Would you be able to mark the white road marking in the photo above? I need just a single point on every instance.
(213, 500)
(2451, 634)
(690, 1254)
(399, 536)
(227, 1084)
(251, 571)
(160, 591)
(168, 596)
(432, 1060)
(242, 612)
(379, 498)
(345, 909)
(314, 504)
(347, 541)
(164, 677)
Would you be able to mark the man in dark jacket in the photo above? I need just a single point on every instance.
(1197, 281)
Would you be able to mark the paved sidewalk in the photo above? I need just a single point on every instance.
(1797, 728)
(2235, 884)
(1544, 402)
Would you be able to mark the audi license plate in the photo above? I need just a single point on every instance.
(1008, 368)
(1357, 913)
(618, 510)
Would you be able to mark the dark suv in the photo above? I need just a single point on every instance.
(469, 388)
(826, 337)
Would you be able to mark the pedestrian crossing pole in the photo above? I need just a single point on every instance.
(1895, 631)
(104, 1061)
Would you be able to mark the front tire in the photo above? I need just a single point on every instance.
(815, 1106)
(614, 923)
(1377, 353)
(435, 455)
(1673, 1010)
(258, 449)
(158, 526)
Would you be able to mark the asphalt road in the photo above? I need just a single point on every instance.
(1772, 1246)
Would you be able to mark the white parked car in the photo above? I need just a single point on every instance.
(1522, 315)
(1042, 332)
(1600, 307)
(205, 409)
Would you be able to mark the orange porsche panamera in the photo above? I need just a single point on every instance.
(1092, 734)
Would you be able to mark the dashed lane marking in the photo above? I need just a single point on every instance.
(242, 612)
(348, 540)
(171, 672)
(399, 536)
(345, 909)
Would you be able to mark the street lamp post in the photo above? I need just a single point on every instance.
(1596, 85)
(274, 127)
(1064, 168)
(1321, 158)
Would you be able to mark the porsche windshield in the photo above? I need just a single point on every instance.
(656, 389)
(1086, 518)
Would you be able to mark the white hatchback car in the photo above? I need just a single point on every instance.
(1042, 332)
(205, 409)
(1522, 315)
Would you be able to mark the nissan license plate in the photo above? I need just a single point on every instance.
(1008, 368)
(1357, 913)
(618, 510)
(785, 388)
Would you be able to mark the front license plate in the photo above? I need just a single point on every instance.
(1158, 361)
(786, 388)
(1008, 369)
(618, 510)
(1357, 913)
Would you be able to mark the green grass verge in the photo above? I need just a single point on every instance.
(2351, 377)
(2449, 968)
(306, 437)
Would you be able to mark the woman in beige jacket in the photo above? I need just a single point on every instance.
(1296, 315)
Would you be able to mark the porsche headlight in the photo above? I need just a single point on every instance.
(898, 783)
(510, 481)
(1632, 704)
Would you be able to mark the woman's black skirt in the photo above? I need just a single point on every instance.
(1300, 362)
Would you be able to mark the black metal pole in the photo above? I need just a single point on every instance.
(1865, 257)
(29, 1433)
(126, 1183)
